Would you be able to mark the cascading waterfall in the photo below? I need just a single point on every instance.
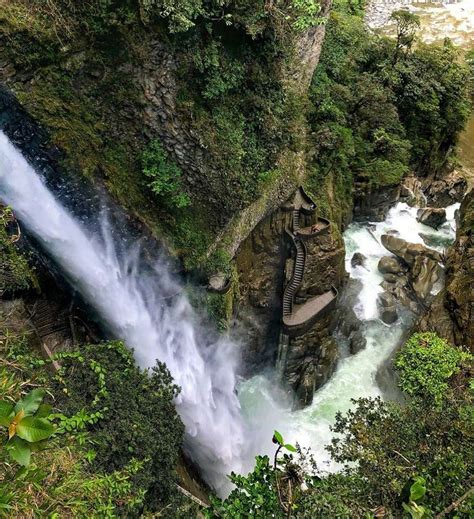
(148, 311)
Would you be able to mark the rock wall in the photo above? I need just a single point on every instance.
(451, 314)
(264, 265)
(373, 203)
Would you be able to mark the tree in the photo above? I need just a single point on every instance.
(407, 25)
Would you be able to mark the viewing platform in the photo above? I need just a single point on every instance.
(298, 319)
(303, 317)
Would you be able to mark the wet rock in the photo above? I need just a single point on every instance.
(374, 204)
(349, 322)
(389, 265)
(447, 191)
(390, 278)
(357, 342)
(388, 309)
(358, 259)
(451, 314)
(411, 192)
(408, 251)
(424, 274)
(431, 216)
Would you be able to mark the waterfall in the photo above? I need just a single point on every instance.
(145, 309)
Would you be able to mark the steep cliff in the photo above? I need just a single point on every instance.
(451, 314)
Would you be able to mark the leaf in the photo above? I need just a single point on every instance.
(44, 410)
(6, 411)
(34, 429)
(16, 420)
(19, 450)
(30, 402)
(277, 438)
(290, 447)
(418, 489)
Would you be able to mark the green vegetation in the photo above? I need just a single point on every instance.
(381, 106)
(84, 453)
(411, 459)
(165, 177)
(426, 364)
(15, 271)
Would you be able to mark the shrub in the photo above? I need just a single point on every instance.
(165, 176)
(426, 364)
(138, 417)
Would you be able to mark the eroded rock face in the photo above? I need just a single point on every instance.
(411, 192)
(446, 191)
(425, 273)
(374, 204)
(311, 363)
(451, 315)
(431, 216)
(411, 276)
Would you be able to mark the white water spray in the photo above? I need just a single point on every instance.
(133, 309)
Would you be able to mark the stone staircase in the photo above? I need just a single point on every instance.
(297, 318)
(298, 270)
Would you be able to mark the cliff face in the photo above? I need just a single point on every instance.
(451, 314)
(224, 98)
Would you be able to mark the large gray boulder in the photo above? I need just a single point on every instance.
(431, 216)
(389, 265)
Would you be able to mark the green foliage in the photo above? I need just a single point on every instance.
(381, 107)
(307, 13)
(165, 176)
(267, 491)
(417, 492)
(55, 479)
(254, 495)
(180, 13)
(426, 364)
(407, 24)
(15, 272)
(27, 425)
(147, 429)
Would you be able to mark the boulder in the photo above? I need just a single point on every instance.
(219, 283)
(424, 275)
(357, 342)
(389, 265)
(408, 251)
(390, 278)
(388, 309)
(431, 216)
(411, 192)
(358, 259)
